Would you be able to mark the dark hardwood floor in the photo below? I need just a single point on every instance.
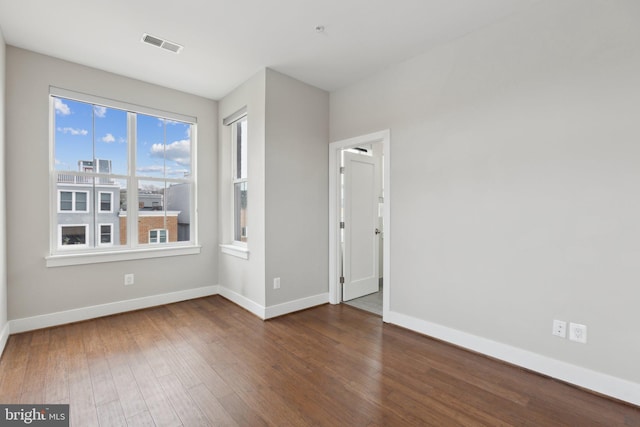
(208, 362)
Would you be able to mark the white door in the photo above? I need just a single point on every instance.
(361, 254)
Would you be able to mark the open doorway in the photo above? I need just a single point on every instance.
(359, 222)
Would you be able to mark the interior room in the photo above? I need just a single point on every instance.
(321, 213)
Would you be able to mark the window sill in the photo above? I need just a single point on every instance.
(62, 260)
(235, 250)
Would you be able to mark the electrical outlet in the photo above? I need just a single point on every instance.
(559, 328)
(129, 279)
(276, 283)
(578, 333)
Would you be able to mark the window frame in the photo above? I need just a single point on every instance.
(73, 201)
(93, 252)
(99, 202)
(68, 247)
(235, 180)
(99, 234)
(158, 231)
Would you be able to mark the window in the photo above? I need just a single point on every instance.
(106, 232)
(158, 236)
(66, 200)
(239, 142)
(73, 235)
(108, 156)
(106, 200)
(73, 201)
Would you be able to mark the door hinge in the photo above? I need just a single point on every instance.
(342, 280)
(341, 169)
(342, 224)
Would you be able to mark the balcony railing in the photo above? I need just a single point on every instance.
(65, 178)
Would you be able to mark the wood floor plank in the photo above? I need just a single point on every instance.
(143, 419)
(210, 406)
(209, 362)
(111, 414)
(159, 406)
(241, 413)
(186, 409)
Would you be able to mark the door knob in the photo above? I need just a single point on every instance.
(378, 231)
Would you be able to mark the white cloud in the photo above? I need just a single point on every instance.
(122, 140)
(61, 108)
(99, 111)
(177, 151)
(73, 131)
(108, 138)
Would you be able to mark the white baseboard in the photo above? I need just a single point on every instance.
(4, 336)
(274, 310)
(85, 313)
(243, 302)
(596, 381)
(297, 305)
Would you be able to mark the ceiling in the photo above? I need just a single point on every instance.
(227, 41)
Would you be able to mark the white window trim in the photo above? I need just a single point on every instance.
(235, 250)
(99, 234)
(73, 201)
(72, 247)
(96, 257)
(60, 256)
(100, 210)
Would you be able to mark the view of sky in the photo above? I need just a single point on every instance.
(86, 132)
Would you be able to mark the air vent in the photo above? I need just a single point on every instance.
(161, 43)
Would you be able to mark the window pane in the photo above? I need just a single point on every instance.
(117, 216)
(240, 212)
(81, 201)
(66, 200)
(149, 146)
(105, 201)
(178, 201)
(73, 136)
(73, 235)
(240, 153)
(110, 140)
(163, 147)
(151, 211)
(105, 234)
(177, 149)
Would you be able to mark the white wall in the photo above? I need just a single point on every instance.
(514, 170)
(35, 289)
(244, 278)
(4, 329)
(297, 134)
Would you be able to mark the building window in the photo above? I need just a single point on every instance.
(108, 156)
(73, 201)
(73, 235)
(106, 201)
(106, 234)
(158, 236)
(240, 182)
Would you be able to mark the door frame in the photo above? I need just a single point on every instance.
(335, 148)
